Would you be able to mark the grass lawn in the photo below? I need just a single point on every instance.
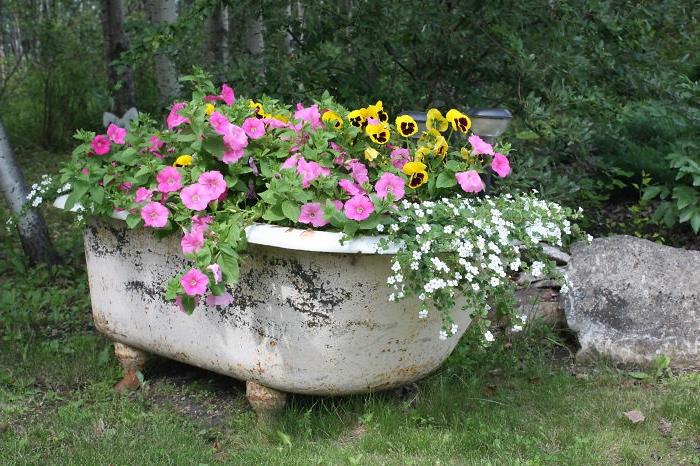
(521, 402)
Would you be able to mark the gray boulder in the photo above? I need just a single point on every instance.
(632, 300)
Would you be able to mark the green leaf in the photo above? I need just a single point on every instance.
(214, 145)
(132, 221)
(527, 135)
(188, 303)
(695, 221)
(291, 210)
(651, 192)
(446, 180)
(638, 375)
(97, 193)
(229, 267)
(273, 214)
(79, 190)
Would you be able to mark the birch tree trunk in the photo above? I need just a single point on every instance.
(121, 81)
(255, 39)
(31, 227)
(165, 12)
(218, 35)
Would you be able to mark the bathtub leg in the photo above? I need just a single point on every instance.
(133, 361)
(265, 401)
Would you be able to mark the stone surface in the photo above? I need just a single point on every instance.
(632, 300)
(265, 401)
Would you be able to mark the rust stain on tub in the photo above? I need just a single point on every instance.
(307, 234)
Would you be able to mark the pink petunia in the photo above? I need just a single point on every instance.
(470, 181)
(311, 115)
(100, 144)
(500, 165)
(479, 146)
(215, 270)
(235, 137)
(219, 122)
(340, 158)
(155, 215)
(194, 282)
(143, 194)
(201, 223)
(254, 128)
(116, 134)
(192, 241)
(390, 183)
(232, 156)
(291, 162)
(227, 94)
(174, 118)
(213, 183)
(311, 213)
(195, 197)
(309, 171)
(351, 188)
(400, 157)
(274, 123)
(358, 208)
(358, 170)
(169, 180)
(338, 204)
(219, 300)
(85, 171)
(126, 186)
(156, 145)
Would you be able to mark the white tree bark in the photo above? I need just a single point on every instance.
(31, 226)
(255, 39)
(165, 12)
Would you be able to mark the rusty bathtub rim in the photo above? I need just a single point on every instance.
(290, 238)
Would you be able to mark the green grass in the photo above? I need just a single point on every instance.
(520, 403)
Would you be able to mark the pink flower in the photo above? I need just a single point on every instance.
(192, 241)
(310, 171)
(254, 128)
(358, 208)
(85, 171)
(155, 214)
(215, 270)
(232, 156)
(201, 223)
(156, 144)
(500, 165)
(358, 171)
(390, 183)
(174, 118)
(126, 186)
(100, 144)
(235, 138)
(338, 204)
(143, 194)
(400, 157)
(274, 123)
(169, 180)
(351, 188)
(195, 197)
(220, 300)
(194, 282)
(219, 122)
(291, 162)
(470, 181)
(116, 134)
(311, 213)
(310, 115)
(480, 146)
(213, 183)
(227, 94)
(340, 158)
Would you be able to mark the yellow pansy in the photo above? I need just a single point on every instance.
(209, 109)
(378, 133)
(333, 118)
(183, 161)
(406, 125)
(376, 111)
(421, 153)
(459, 120)
(435, 120)
(440, 147)
(416, 172)
(357, 118)
(371, 153)
(258, 108)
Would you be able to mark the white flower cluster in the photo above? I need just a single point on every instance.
(463, 250)
(38, 190)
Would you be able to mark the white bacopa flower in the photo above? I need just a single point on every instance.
(423, 314)
(537, 268)
(523, 318)
(392, 297)
(475, 287)
(516, 328)
(564, 289)
(394, 227)
(589, 238)
(448, 229)
(421, 296)
(453, 329)
(488, 336)
(395, 266)
(494, 281)
(403, 219)
(443, 335)
(380, 228)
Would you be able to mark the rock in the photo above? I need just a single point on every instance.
(632, 300)
(541, 303)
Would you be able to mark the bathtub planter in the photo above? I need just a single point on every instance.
(310, 315)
